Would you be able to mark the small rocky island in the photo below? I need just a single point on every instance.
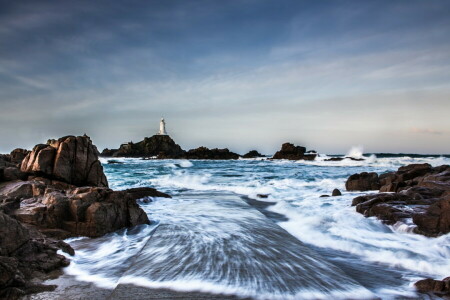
(57, 190)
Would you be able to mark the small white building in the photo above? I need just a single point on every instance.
(162, 127)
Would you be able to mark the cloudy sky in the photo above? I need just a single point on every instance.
(240, 74)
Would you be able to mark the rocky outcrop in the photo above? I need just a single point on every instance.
(161, 146)
(77, 211)
(144, 192)
(70, 159)
(419, 192)
(342, 158)
(25, 254)
(336, 192)
(253, 154)
(363, 182)
(438, 287)
(206, 153)
(292, 152)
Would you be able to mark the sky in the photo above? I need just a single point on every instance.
(245, 75)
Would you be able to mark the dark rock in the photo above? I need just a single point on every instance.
(18, 155)
(421, 192)
(205, 153)
(252, 154)
(86, 211)
(161, 146)
(115, 162)
(13, 173)
(23, 255)
(292, 152)
(336, 192)
(438, 287)
(108, 152)
(324, 196)
(70, 159)
(363, 182)
(142, 192)
(262, 196)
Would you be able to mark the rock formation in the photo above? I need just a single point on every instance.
(60, 191)
(420, 192)
(292, 152)
(25, 254)
(206, 153)
(363, 182)
(161, 146)
(70, 159)
(440, 288)
(253, 154)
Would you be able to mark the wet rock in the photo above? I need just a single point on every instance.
(292, 152)
(142, 192)
(324, 196)
(420, 192)
(23, 255)
(363, 182)
(253, 154)
(438, 287)
(112, 162)
(70, 159)
(108, 152)
(336, 192)
(206, 153)
(85, 211)
(263, 196)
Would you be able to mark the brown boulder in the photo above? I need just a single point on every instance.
(363, 182)
(85, 211)
(292, 152)
(18, 155)
(438, 287)
(70, 159)
(24, 254)
(206, 153)
(435, 219)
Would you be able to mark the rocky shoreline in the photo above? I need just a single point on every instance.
(416, 194)
(57, 190)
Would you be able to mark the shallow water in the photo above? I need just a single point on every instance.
(385, 260)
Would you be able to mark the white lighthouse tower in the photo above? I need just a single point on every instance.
(162, 127)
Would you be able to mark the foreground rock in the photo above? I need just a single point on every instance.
(60, 191)
(291, 152)
(24, 255)
(206, 153)
(70, 159)
(161, 146)
(438, 287)
(419, 192)
(76, 211)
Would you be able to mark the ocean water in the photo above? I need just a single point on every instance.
(384, 260)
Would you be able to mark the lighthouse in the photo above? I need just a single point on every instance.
(162, 127)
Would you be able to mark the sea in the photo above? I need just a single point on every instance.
(206, 199)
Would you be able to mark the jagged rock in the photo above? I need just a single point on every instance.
(70, 159)
(253, 154)
(85, 211)
(108, 152)
(291, 152)
(161, 146)
(142, 192)
(23, 255)
(438, 287)
(205, 153)
(336, 192)
(421, 192)
(363, 182)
